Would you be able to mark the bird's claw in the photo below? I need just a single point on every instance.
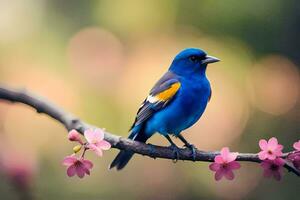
(193, 149)
(175, 150)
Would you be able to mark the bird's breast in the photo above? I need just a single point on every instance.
(194, 97)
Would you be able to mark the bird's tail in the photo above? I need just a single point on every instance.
(124, 156)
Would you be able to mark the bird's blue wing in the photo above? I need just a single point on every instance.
(159, 97)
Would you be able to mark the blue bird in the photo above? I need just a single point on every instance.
(174, 104)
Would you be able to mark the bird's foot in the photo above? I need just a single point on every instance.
(193, 149)
(175, 150)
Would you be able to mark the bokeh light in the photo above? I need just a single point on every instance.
(274, 85)
(136, 17)
(97, 55)
(19, 19)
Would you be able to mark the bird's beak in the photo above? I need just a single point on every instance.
(210, 59)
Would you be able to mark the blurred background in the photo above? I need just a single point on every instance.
(89, 57)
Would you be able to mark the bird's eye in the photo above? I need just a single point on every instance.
(193, 58)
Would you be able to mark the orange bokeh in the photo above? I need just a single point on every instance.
(274, 85)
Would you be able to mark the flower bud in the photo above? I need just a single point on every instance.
(295, 159)
(74, 136)
(77, 148)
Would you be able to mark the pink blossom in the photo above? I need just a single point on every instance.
(273, 168)
(74, 136)
(19, 168)
(295, 159)
(270, 150)
(20, 175)
(77, 166)
(297, 145)
(96, 141)
(224, 164)
(295, 156)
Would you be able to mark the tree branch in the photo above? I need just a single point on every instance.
(71, 122)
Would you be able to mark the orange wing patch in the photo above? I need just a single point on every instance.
(169, 93)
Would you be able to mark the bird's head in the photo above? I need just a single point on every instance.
(191, 61)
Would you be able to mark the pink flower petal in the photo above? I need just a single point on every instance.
(218, 175)
(224, 164)
(69, 160)
(278, 154)
(227, 156)
(98, 152)
(214, 167)
(279, 161)
(294, 156)
(74, 136)
(103, 145)
(297, 145)
(87, 171)
(89, 135)
(78, 166)
(91, 146)
(100, 134)
(278, 151)
(94, 136)
(263, 144)
(219, 159)
(234, 165)
(95, 149)
(262, 155)
(80, 171)
(271, 156)
(229, 175)
(88, 164)
(71, 170)
(272, 144)
(231, 157)
(279, 147)
(296, 162)
(225, 153)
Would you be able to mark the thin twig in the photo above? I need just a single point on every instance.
(71, 122)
